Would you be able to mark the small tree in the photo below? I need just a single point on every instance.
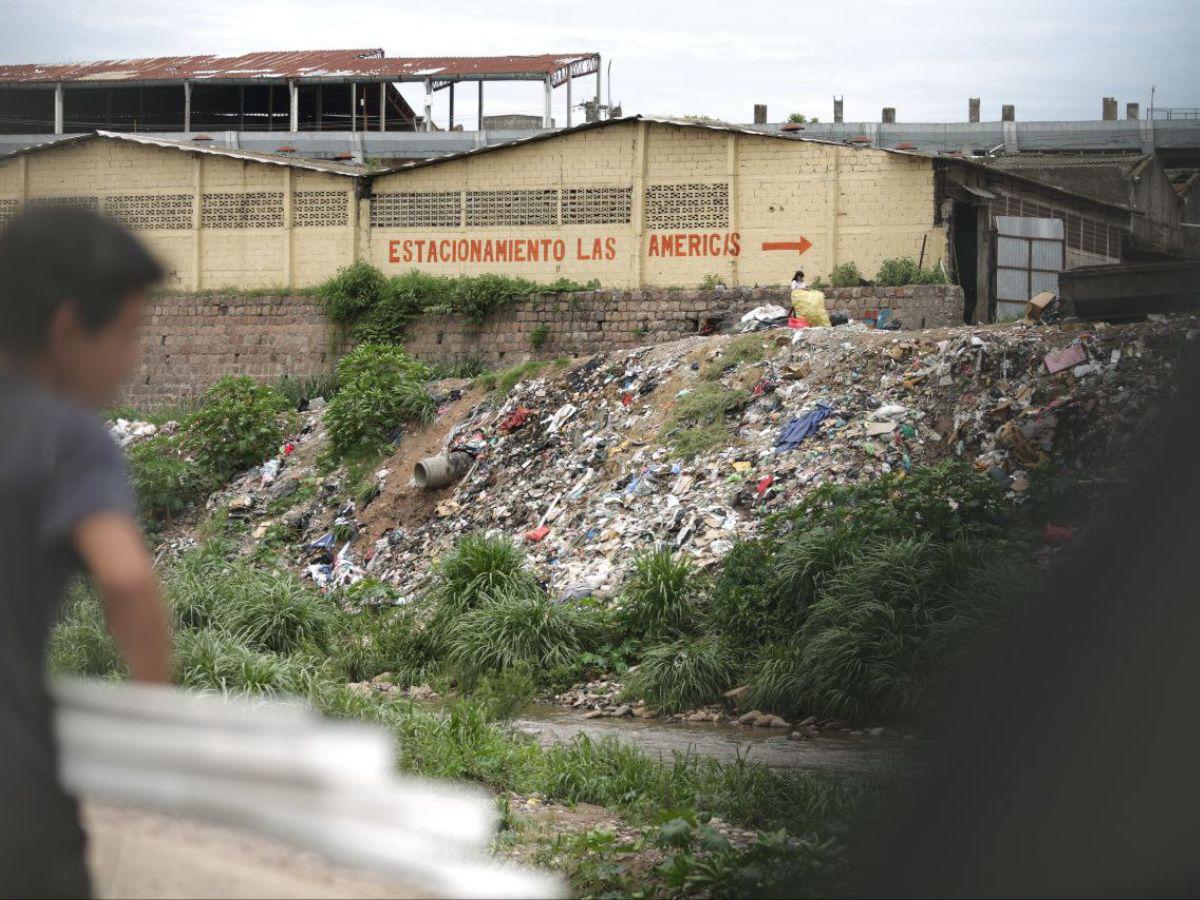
(801, 119)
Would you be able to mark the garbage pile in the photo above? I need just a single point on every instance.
(578, 466)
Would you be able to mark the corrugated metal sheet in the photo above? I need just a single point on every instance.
(306, 64)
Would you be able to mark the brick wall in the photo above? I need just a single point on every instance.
(574, 324)
(190, 342)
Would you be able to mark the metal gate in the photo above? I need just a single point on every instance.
(1029, 255)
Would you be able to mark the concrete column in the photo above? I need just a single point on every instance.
(197, 219)
(546, 113)
(638, 212)
(289, 250)
(480, 125)
(293, 109)
(187, 106)
(973, 109)
(837, 110)
(889, 115)
(428, 104)
(58, 109)
(731, 172)
(598, 90)
(760, 114)
(451, 126)
(1008, 113)
(1132, 110)
(1108, 109)
(833, 189)
(353, 108)
(568, 98)
(383, 106)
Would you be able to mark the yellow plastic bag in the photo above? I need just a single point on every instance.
(810, 306)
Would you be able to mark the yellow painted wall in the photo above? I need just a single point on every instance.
(132, 182)
(689, 202)
(859, 206)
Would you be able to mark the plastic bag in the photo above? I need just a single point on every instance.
(810, 305)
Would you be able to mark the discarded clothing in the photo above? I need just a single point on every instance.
(797, 430)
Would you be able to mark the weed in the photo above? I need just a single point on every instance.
(381, 388)
(742, 349)
(238, 425)
(81, 644)
(683, 675)
(659, 599)
(166, 482)
(904, 271)
(711, 282)
(538, 335)
(696, 422)
(509, 378)
(353, 291)
(299, 390)
(845, 276)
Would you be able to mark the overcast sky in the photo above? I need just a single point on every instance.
(1054, 59)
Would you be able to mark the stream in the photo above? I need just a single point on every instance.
(834, 754)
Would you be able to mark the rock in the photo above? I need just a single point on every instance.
(363, 688)
(595, 714)
(241, 503)
(622, 712)
(877, 732)
(811, 720)
(769, 721)
(812, 731)
(798, 736)
(856, 734)
(737, 693)
(699, 717)
(750, 717)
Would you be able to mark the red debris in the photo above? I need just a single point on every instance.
(514, 420)
(764, 484)
(537, 534)
(1057, 535)
(289, 448)
(626, 398)
(798, 322)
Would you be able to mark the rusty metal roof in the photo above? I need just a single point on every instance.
(305, 65)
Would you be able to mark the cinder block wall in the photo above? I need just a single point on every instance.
(189, 342)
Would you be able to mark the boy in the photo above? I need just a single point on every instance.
(72, 285)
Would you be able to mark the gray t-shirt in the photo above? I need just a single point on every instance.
(57, 467)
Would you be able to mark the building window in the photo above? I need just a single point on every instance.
(9, 210)
(149, 212)
(319, 209)
(433, 209)
(92, 203)
(596, 206)
(511, 208)
(259, 209)
(678, 206)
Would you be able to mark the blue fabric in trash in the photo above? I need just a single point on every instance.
(797, 430)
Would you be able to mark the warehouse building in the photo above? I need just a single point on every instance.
(628, 202)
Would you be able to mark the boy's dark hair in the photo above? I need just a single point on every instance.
(799, 276)
(49, 257)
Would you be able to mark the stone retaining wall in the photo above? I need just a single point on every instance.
(191, 341)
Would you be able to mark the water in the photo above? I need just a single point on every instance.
(838, 755)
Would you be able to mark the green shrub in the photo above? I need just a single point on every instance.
(659, 600)
(381, 387)
(697, 419)
(166, 482)
(353, 291)
(538, 336)
(844, 276)
(211, 660)
(904, 271)
(273, 610)
(298, 390)
(684, 674)
(478, 569)
(80, 645)
(237, 426)
(515, 629)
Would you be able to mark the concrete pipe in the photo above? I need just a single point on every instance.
(434, 472)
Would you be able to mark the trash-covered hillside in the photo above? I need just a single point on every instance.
(694, 443)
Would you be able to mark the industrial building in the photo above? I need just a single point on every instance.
(629, 202)
(290, 91)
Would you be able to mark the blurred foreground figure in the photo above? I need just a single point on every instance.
(72, 285)
(1069, 767)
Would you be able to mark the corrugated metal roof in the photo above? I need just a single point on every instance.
(277, 64)
(606, 123)
(305, 64)
(313, 165)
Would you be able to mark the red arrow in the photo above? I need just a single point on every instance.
(799, 246)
